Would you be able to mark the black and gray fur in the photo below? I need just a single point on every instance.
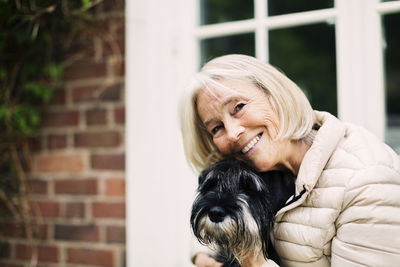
(234, 210)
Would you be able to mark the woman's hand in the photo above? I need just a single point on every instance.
(203, 260)
(258, 261)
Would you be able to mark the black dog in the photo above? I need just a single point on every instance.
(234, 210)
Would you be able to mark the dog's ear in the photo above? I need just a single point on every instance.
(203, 175)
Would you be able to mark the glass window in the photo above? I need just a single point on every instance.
(217, 11)
(279, 7)
(234, 44)
(392, 77)
(306, 54)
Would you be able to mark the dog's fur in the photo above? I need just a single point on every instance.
(234, 210)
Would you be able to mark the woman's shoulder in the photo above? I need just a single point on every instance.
(354, 146)
(365, 150)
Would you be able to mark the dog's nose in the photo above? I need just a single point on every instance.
(217, 214)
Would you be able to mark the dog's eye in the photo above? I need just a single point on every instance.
(208, 184)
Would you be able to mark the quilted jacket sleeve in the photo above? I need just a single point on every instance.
(368, 229)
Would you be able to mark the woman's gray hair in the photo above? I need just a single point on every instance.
(288, 101)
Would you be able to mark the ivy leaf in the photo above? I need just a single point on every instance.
(25, 118)
(39, 91)
(86, 3)
(3, 72)
(53, 70)
(4, 114)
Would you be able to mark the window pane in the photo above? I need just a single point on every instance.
(392, 75)
(307, 55)
(217, 11)
(279, 7)
(234, 44)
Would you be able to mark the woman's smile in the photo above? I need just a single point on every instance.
(250, 145)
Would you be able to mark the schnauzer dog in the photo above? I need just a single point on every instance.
(234, 210)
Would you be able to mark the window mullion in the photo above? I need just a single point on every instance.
(260, 12)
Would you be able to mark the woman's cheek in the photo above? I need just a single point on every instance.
(222, 147)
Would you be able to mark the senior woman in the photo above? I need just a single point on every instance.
(346, 207)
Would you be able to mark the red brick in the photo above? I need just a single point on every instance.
(48, 209)
(2, 264)
(41, 231)
(90, 256)
(75, 210)
(108, 210)
(113, 92)
(108, 162)
(38, 187)
(61, 119)
(97, 139)
(113, 4)
(58, 98)
(35, 143)
(23, 252)
(17, 230)
(59, 163)
(118, 68)
(119, 27)
(81, 48)
(14, 229)
(114, 47)
(115, 187)
(85, 69)
(89, 233)
(76, 187)
(97, 93)
(119, 115)
(83, 94)
(45, 253)
(56, 141)
(115, 234)
(96, 117)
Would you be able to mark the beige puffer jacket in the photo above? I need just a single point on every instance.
(347, 206)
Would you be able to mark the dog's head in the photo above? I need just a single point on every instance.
(233, 209)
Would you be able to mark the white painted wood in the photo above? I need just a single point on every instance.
(275, 22)
(159, 184)
(359, 64)
(388, 7)
(261, 38)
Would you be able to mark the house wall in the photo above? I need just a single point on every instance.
(78, 179)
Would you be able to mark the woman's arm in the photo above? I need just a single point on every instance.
(204, 260)
(368, 229)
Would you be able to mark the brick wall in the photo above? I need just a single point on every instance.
(78, 179)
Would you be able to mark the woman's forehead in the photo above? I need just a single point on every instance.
(222, 89)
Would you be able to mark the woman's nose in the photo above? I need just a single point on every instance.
(234, 131)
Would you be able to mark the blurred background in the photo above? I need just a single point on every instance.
(92, 171)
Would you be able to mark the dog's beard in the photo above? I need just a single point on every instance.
(238, 232)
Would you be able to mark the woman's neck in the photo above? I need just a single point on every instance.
(296, 152)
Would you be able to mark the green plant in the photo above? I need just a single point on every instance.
(33, 36)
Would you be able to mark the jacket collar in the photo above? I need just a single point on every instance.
(325, 142)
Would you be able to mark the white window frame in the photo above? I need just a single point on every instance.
(162, 52)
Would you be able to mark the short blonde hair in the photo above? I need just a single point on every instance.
(288, 101)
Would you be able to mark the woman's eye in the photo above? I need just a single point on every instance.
(238, 107)
(216, 129)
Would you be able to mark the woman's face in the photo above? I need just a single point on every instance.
(243, 124)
